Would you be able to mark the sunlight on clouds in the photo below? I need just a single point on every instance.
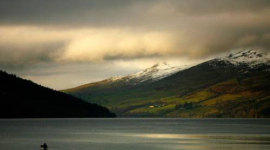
(98, 45)
(88, 44)
(130, 30)
(31, 35)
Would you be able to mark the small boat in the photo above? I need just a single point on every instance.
(44, 146)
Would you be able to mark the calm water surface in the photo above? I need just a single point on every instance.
(136, 134)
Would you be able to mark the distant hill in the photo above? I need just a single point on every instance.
(234, 86)
(21, 98)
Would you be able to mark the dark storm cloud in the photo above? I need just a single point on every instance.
(36, 32)
(14, 57)
(63, 12)
(117, 12)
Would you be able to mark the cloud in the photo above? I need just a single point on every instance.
(27, 45)
(23, 45)
(20, 45)
(103, 44)
(119, 12)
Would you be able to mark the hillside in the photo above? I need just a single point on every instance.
(21, 98)
(234, 86)
(152, 74)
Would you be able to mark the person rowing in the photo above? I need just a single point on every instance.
(44, 146)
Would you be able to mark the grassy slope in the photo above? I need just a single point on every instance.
(211, 90)
(212, 101)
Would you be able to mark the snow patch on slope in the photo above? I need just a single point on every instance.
(250, 57)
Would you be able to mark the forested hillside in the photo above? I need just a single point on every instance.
(21, 98)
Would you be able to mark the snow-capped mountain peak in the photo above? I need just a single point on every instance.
(161, 70)
(250, 57)
(154, 73)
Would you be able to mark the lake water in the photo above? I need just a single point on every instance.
(136, 134)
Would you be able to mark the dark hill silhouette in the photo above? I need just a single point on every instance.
(21, 98)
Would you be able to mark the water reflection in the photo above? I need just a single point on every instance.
(209, 142)
(247, 138)
(136, 134)
(165, 136)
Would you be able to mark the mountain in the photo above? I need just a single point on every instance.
(21, 98)
(152, 74)
(237, 85)
(252, 58)
(120, 83)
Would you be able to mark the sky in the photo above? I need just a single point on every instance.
(66, 43)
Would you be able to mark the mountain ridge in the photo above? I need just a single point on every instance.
(200, 86)
(151, 74)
